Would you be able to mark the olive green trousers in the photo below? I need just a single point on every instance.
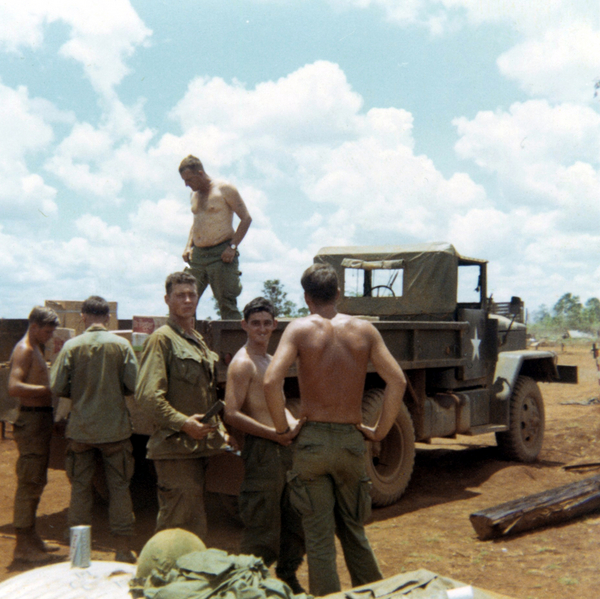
(223, 277)
(330, 487)
(272, 527)
(32, 431)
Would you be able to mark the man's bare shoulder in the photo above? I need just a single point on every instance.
(305, 324)
(241, 362)
(360, 324)
(23, 351)
(223, 187)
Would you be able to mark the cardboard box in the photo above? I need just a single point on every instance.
(148, 324)
(125, 333)
(69, 314)
(53, 347)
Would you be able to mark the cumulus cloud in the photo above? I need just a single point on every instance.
(562, 64)
(102, 35)
(25, 130)
(439, 16)
(545, 156)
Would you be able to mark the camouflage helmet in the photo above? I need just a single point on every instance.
(165, 548)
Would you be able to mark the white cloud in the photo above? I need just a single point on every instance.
(545, 157)
(562, 64)
(529, 17)
(24, 132)
(313, 104)
(102, 34)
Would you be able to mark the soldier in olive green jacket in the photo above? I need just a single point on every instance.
(176, 388)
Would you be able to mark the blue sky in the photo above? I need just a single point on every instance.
(341, 122)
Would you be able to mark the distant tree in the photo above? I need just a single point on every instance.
(568, 309)
(592, 307)
(542, 314)
(273, 290)
(216, 307)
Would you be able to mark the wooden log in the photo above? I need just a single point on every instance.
(549, 507)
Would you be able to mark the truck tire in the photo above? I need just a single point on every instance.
(525, 435)
(389, 462)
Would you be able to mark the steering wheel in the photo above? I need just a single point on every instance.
(380, 288)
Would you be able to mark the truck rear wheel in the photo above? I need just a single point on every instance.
(389, 462)
(525, 435)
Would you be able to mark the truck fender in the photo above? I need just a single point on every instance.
(539, 365)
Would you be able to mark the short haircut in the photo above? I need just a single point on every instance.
(191, 163)
(258, 304)
(95, 306)
(320, 283)
(43, 316)
(180, 278)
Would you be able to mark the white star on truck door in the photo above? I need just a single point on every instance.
(476, 341)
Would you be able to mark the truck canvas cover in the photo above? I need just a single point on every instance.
(429, 277)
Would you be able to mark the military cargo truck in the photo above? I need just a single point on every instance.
(465, 357)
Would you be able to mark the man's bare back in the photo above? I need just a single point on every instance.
(332, 352)
(29, 378)
(333, 355)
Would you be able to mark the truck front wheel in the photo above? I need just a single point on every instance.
(389, 462)
(525, 435)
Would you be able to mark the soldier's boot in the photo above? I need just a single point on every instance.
(291, 580)
(27, 550)
(44, 546)
(123, 551)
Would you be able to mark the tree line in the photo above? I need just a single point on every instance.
(570, 314)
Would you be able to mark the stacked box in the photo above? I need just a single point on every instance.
(125, 333)
(53, 347)
(148, 324)
(143, 326)
(69, 314)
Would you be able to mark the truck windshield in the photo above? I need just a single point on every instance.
(468, 284)
(373, 283)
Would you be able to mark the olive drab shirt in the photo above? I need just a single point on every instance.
(96, 370)
(177, 380)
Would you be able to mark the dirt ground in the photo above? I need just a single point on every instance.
(429, 527)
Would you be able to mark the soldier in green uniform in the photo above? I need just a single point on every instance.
(96, 369)
(328, 481)
(272, 528)
(176, 388)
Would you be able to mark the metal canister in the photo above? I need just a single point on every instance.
(81, 546)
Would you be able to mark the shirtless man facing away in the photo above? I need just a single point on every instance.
(328, 481)
(29, 381)
(272, 528)
(212, 247)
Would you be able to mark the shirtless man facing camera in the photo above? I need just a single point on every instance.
(272, 529)
(328, 481)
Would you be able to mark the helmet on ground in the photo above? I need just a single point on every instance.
(165, 548)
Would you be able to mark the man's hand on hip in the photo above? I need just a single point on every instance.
(369, 433)
(228, 255)
(187, 255)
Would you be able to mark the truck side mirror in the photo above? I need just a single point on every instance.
(515, 306)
